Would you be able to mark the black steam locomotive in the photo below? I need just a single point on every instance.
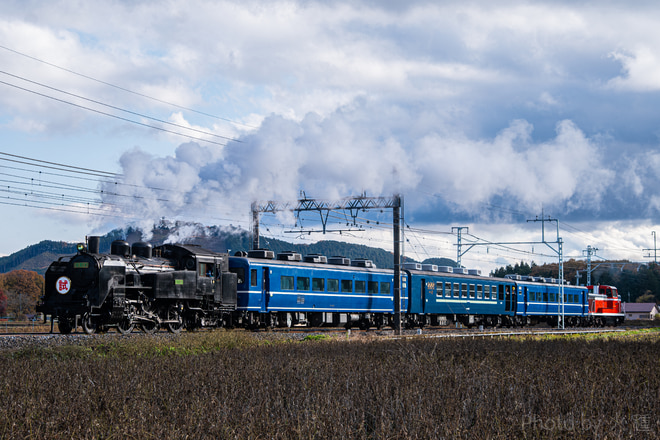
(171, 286)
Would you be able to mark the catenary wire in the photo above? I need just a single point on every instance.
(125, 89)
(113, 116)
(122, 109)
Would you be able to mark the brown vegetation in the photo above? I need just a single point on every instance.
(226, 385)
(22, 289)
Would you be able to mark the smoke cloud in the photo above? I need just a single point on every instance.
(352, 151)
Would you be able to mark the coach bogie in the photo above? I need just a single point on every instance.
(284, 320)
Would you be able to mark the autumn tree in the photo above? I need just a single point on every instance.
(22, 289)
(3, 303)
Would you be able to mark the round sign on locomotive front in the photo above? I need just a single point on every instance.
(63, 285)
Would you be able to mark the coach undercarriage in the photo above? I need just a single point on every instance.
(364, 321)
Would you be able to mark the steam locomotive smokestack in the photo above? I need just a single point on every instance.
(93, 244)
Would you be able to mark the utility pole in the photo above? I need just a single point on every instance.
(560, 252)
(459, 254)
(589, 252)
(655, 250)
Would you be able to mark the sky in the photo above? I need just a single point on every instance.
(482, 115)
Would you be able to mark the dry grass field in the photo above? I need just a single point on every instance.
(259, 386)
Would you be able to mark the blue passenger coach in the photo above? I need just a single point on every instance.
(315, 291)
(442, 294)
(540, 301)
(319, 291)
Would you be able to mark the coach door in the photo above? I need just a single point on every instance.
(514, 299)
(507, 298)
(265, 289)
(423, 295)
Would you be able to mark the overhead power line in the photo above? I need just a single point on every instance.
(155, 127)
(58, 166)
(125, 89)
(120, 109)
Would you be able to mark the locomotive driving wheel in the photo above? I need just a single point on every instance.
(125, 326)
(88, 325)
(149, 327)
(175, 321)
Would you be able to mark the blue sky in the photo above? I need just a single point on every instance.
(480, 114)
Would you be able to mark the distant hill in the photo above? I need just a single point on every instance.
(37, 257)
(440, 262)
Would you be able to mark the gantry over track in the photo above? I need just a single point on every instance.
(353, 205)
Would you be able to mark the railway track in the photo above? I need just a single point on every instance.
(437, 332)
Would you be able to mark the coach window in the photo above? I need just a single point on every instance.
(385, 288)
(501, 295)
(286, 282)
(457, 290)
(333, 285)
(318, 284)
(447, 289)
(373, 287)
(253, 277)
(480, 294)
(302, 283)
(360, 286)
(347, 286)
(464, 290)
